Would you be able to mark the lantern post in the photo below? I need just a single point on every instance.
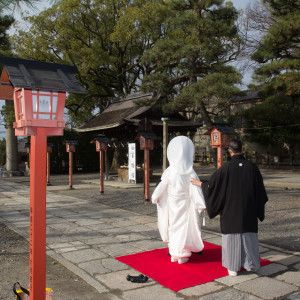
(38, 114)
(38, 90)
(146, 143)
(101, 147)
(70, 148)
(49, 151)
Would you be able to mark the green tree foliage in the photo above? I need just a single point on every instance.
(278, 79)
(90, 35)
(5, 23)
(191, 71)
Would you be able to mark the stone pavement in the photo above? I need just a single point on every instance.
(85, 236)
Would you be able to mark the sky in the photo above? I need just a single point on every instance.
(239, 4)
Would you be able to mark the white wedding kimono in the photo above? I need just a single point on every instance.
(179, 203)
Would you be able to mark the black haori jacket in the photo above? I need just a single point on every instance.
(236, 192)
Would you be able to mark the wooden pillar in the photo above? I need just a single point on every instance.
(70, 170)
(220, 157)
(48, 168)
(101, 158)
(147, 174)
(37, 217)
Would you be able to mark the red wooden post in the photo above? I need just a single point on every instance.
(101, 143)
(48, 168)
(37, 254)
(70, 169)
(70, 147)
(38, 113)
(220, 157)
(147, 174)
(101, 171)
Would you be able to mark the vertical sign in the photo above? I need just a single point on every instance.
(131, 162)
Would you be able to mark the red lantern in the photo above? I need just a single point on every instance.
(35, 108)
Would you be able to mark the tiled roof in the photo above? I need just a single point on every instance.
(117, 114)
(250, 95)
(127, 111)
(31, 74)
(223, 128)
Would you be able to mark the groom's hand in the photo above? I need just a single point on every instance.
(196, 182)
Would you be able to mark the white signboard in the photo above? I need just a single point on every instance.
(131, 162)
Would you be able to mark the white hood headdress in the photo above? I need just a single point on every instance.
(180, 153)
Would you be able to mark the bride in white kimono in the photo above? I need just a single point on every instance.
(179, 203)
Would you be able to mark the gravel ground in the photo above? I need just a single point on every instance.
(280, 228)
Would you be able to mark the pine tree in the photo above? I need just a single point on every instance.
(191, 60)
(278, 80)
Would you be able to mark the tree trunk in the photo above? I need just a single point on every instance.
(208, 123)
(116, 161)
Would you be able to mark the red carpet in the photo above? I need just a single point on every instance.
(200, 269)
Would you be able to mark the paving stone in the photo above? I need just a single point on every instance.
(101, 240)
(266, 288)
(100, 226)
(214, 240)
(229, 294)
(154, 234)
(297, 267)
(152, 225)
(271, 269)
(67, 247)
(295, 296)
(200, 290)
(148, 245)
(114, 231)
(290, 277)
(206, 235)
(263, 249)
(117, 280)
(119, 249)
(289, 260)
(144, 219)
(63, 226)
(88, 222)
(150, 293)
(86, 234)
(233, 280)
(139, 228)
(94, 267)
(125, 223)
(83, 255)
(274, 256)
(131, 237)
(113, 264)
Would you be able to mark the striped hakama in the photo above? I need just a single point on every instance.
(240, 250)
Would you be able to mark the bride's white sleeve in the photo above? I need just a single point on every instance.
(159, 191)
(197, 196)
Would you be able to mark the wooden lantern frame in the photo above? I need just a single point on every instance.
(38, 109)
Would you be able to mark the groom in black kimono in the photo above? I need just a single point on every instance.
(236, 192)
